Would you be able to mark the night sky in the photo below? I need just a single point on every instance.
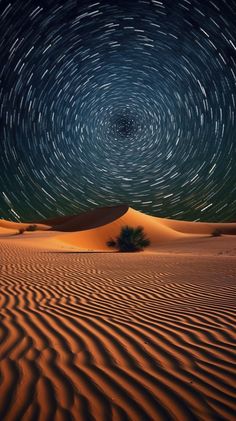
(109, 102)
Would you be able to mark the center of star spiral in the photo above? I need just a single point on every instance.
(124, 126)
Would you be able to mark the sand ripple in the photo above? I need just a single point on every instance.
(116, 337)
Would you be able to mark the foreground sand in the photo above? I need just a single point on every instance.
(109, 336)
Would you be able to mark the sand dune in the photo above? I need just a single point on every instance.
(105, 336)
(158, 230)
(7, 231)
(91, 230)
(199, 227)
(113, 337)
(96, 238)
(4, 224)
(87, 220)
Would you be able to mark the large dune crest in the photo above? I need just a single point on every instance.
(96, 238)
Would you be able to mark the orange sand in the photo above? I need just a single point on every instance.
(113, 336)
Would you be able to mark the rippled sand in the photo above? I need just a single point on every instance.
(109, 336)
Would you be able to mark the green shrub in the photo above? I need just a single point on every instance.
(129, 240)
(216, 233)
(31, 228)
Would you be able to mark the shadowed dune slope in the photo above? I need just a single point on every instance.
(87, 220)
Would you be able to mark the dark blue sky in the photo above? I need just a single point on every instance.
(106, 102)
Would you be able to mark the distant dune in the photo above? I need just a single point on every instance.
(228, 228)
(15, 226)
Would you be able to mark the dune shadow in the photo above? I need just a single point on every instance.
(84, 221)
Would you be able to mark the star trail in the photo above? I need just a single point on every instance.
(109, 102)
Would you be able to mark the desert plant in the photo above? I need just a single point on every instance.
(111, 243)
(130, 240)
(31, 228)
(216, 233)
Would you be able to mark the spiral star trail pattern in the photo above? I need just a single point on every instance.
(107, 102)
